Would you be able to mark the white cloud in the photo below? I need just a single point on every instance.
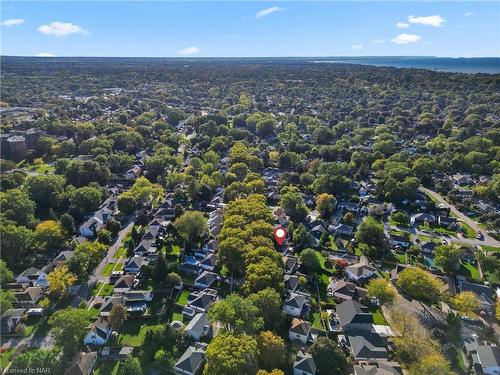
(62, 29)
(468, 14)
(188, 51)
(45, 54)
(268, 11)
(406, 38)
(12, 22)
(357, 46)
(435, 21)
(378, 41)
(402, 25)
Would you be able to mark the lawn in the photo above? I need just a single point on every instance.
(4, 358)
(469, 270)
(183, 298)
(107, 368)
(378, 317)
(120, 253)
(177, 316)
(492, 278)
(401, 258)
(108, 268)
(468, 231)
(490, 249)
(316, 323)
(176, 250)
(106, 290)
(42, 168)
(133, 331)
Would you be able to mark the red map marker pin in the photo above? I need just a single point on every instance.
(279, 234)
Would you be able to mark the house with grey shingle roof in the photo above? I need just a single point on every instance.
(354, 316)
(368, 346)
(304, 364)
(191, 362)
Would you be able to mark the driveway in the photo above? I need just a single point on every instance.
(488, 240)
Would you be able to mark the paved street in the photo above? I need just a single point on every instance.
(488, 240)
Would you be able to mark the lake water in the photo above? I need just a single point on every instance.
(489, 65)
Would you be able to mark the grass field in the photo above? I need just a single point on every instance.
(401, 258)
(102, 290)
(468, 231)
(469, 270)
(4, 358)
(120, 253)
(490, 249)
(133, 331)
(183, 297)
(107, 368)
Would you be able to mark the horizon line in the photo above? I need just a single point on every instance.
(257, 57)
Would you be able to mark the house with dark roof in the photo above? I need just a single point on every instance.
(9, 320)
(360, 272)
(208, 263)
(99, 333)
(108, 304)
(289, 264)
(62, 258)
(428, 248)
(378, 368)
(485, 358)
(342, 290)
(124, 283)
(134, 264)
(304, 364)
(297, 304)
(366, 346)
(300, 330)
(422, 218)
(199, 302)
(34, 276)
(82, 364)
(343, 229)
(354, 316)
(191, 362)
(205, 279)
(291, 282)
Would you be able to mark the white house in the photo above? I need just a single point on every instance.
(198, 327)
(294, 304)
(299, 330)
(191, 362)
(304, 364)
(99, 333)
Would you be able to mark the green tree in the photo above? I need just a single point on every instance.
(310, 260)
(269, 303)
(16, 243)
(37, 359)
(431, 364)
(60, 280)
(419, 284)
(104, 236)
(18, 207)
(68, 224)
(192, 226)
(301, 237)
(231, 355)
(45, 190)
(160, 271)
(232, 255)
(49, 235)
(381, 290)
(236, 314)
(69, 327)
(272, 350)
(325, 203)
(448, 257)
(370, 232)
(401, 218)
(328, 357)
(117, 316)
(130, 366)
(294, 206)
(6, 275)
(467, 303)
(86, 199)
(7, 299)
(262, 275)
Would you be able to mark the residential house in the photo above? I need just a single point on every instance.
(291, 282)
(34, 277)
(133, 173)
(463, 179)
(447, 221)
(208, 263)
(99, 333)
(62, 258)
(366, 346)
(28, 297)
(82, 364)
(9, 320)
(199, 302)
(289, 264)
(485, 358)
(198, 327)
(205, 279)
(422, 218)
(136, 300)
(108, 304)
(280, 216)
(343, 230)
(428, 248)
(378, 368)
(342, 290)
(124, 283)
(192, 361)
(360, 272)
(400, 241)
(134, 264)
(304, 364)
(354, 316)
(300, 330)
(297, 304)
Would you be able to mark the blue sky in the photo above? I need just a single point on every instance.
(348, 28)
